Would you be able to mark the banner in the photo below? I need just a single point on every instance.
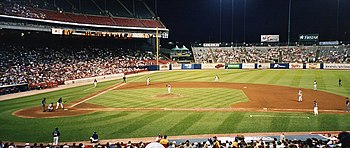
(234, 66)
(270, 38)
(248, 66)
(296, 65)
(211, 44)
(187, 66)
(308, 37)
(57, 31)
(263, 65)
(213, 66)
(164, 67)
(176, 66)
(329, 43)
(313, 66)
(279, 65)
(336, 66)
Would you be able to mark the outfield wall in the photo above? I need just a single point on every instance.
(333, 66)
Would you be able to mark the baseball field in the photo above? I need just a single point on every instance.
(241, 101)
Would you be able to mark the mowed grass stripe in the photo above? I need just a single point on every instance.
(262, 75)
(320, 82)
(230, 123)
(163, 124)
(279, 122)
(274, 78)
(186, 123)
(297, 74)
(211, 120)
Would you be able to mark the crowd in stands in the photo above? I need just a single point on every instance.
(48, 67)
(340, 140)
(253, 54)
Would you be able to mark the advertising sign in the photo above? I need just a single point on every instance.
(187, 66)
(336, 66)
(263, 65)
(308, 37)
(211, 44)
(270, 38)
(248, 65)
(279, 65)
(295, 65)
(313, 66)
(164, 67)
(213, 66)
(234, 66)
(176, 66)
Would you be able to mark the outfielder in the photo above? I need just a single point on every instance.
(300, 94)
(315, 108)
(95, 82)
(59, 102)
(169, 88)
(315, 85)
(148, 81)
(216, 78)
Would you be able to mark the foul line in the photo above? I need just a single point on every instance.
(82, 101)
(300, 117)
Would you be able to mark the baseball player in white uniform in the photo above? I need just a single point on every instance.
(148, 80)
(315, 108)
(216, 78)
(315, 85)
(300, 94)
(169, 88)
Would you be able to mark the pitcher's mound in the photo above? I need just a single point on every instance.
(171, 95)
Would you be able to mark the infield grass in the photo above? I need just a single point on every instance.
(125, 124)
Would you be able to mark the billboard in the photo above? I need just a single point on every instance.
(313, 65)
(336, 66)
(270, 38)
(296, 65)
(175, 66)
(308, 37)
(279, 65)
(164, 67)
(213, 66)
(234, 66)
(248, 65)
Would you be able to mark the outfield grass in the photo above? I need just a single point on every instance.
(124, 124)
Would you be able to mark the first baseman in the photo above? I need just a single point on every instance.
(300, 94)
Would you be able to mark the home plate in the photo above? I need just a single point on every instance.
(65, 109)
(244, 87)
(264, 108)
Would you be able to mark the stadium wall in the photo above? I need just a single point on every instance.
(330, 66)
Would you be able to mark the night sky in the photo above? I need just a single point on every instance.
(199, 20)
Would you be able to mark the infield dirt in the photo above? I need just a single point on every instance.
(272, 98)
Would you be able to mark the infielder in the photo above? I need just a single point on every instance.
(315, 85)
(300, 94)
(216, 78)
(95, 83)
(347, 103)
(315, 108)
(169, 88)
(43, 102)
(59, 102)
(148, 81)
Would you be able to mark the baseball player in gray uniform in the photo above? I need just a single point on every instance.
(315, 108)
